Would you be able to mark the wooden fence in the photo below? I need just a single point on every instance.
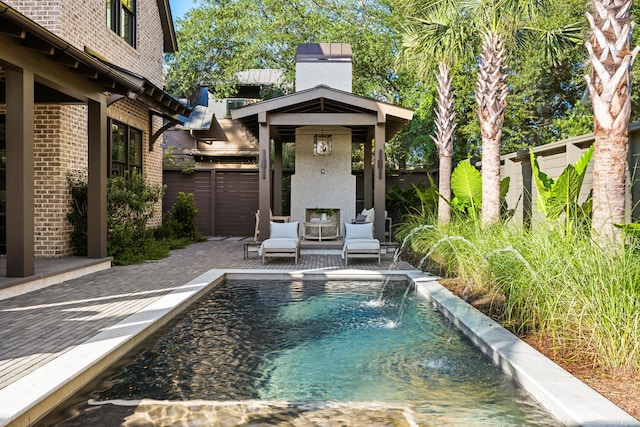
(552, 159)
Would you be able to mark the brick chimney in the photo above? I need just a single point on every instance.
(328, 64)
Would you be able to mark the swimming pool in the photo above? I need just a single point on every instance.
(314, 352)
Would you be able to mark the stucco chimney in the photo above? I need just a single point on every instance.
(327, 64)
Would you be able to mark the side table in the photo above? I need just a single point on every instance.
(330, 230)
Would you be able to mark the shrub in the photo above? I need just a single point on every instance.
(179, 224)
(130, 206)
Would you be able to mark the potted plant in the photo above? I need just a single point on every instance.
(325, 213)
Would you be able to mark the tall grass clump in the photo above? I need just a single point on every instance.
(565, 287)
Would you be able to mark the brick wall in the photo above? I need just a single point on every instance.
(60, 147)
(47, 13)
(83, 23)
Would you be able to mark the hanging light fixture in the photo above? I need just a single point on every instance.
(321, 144)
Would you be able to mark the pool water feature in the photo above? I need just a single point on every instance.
(320, 353)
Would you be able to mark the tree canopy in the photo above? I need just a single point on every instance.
(547, 100)
(219, 38)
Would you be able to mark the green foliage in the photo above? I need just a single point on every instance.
(169, 160)
(571, 290)
(130, 206)
(218, 39)
(184, 213)
(77, 216)
(578, 121)
(466, 186)
(419, 198)
(412, 147)
(545, 61)
(559, 196)
(178, 228)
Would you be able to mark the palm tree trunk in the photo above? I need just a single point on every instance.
(491, 95)
(609, 87)
(445, 126)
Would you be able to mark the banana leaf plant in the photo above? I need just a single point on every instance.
(559, 196)
(466, 186)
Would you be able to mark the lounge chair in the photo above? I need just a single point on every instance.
(284, 241)
(272, 217)
(359, 242)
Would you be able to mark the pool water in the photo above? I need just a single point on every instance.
(309, 353)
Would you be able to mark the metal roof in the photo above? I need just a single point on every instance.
(259, 77)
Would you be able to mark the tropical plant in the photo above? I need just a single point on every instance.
(404, 201)
(609, 86)
(559, 196)
(585, 300)
(497, 21)
(466, 185)
(444, 39)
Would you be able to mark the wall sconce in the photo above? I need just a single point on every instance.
(321, 145)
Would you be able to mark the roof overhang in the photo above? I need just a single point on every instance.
(170, 42)
(323, 105)
(111, 79)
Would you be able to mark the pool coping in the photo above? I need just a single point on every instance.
(568, 399)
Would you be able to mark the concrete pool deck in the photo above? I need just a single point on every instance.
(55, 339)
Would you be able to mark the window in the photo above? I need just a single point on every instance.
(121, 18)
(125, 144)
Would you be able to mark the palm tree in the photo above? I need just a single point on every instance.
(610, 90)
(446, 40)
(496, 21)
(445, 125)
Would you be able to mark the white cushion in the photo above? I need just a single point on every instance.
(362, 244)
(280, 244)
(369, 214)
(284, 230)
(358, 231)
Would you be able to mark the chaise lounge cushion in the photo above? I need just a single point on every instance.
(362, 245)
(279, 244)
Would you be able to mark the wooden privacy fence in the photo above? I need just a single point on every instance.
(553, 159)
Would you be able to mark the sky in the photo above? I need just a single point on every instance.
(180, 7)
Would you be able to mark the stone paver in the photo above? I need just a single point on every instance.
(38, 326)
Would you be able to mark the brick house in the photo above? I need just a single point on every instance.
(80, 92)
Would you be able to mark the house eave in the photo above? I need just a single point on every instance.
(112, 79)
